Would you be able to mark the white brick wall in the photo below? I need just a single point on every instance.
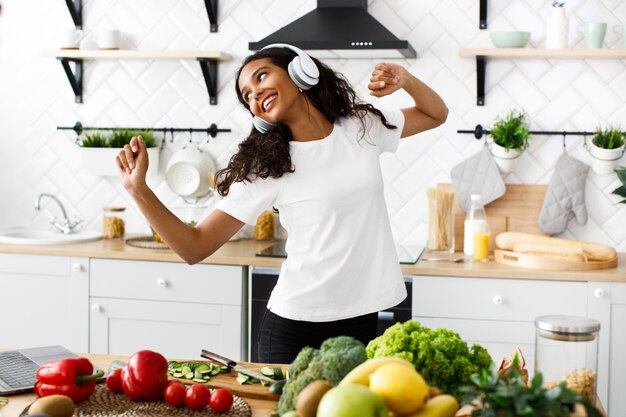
(35, 97)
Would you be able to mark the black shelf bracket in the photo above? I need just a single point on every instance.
(75, 78)
(75, 8)
(483, 15)
(211, 9)
(481, 69)
(209, 71)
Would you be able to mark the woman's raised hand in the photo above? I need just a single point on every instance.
(132, 162)
(387, 78)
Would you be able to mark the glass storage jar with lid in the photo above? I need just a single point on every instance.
(113, 225)
(566, 349)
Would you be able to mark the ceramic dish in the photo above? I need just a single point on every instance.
(510, 39)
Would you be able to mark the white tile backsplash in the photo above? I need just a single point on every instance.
(35, 97)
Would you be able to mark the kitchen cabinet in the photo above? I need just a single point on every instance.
(172, 308)
(498, 314)
(44, 301)
(482, 54)
(607, 303)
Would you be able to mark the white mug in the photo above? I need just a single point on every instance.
(621, 29)
(70, 39)
(109, 39)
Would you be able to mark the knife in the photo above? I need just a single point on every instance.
(234, 365)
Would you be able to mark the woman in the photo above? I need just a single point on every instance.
(314, 155)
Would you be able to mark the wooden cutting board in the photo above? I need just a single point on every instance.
(524, 260)
(228, 380)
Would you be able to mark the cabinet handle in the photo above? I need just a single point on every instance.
(599, 293)
(77, 267)
(497, 300)
(96, 308)
(162, 283)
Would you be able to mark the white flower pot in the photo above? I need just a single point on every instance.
(101, 161)
(604, 161)
(505, 158)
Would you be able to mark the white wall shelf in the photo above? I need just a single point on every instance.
(207, 59)
(482, 54)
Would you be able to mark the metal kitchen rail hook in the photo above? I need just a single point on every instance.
(479, 131)
(212, 130)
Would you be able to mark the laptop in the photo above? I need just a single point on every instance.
(18, 368)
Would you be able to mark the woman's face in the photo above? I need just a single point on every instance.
(267, 89)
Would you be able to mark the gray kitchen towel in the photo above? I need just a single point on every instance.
(478, 174)
(565, 196)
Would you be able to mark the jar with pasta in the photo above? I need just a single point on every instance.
(264, 228)
(113, 225)
(440, 220)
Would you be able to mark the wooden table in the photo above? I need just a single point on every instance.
(17, 403)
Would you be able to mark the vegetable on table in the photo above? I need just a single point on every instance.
(53, 406)
(197, 396)
(114, 381)
(72, 377)
(174, 393)
(145, 376)
(331, 362)
(440, 356)
(221, 400)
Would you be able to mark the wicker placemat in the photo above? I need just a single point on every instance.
(104, 403)
(146, 242)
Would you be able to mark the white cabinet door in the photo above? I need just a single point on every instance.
(44, 301)
(607, 303)
(172, 308)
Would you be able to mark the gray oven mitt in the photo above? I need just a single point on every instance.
(478, 174)
(565, 196)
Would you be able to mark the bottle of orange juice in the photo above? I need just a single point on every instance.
(481, 241)
(474, 220)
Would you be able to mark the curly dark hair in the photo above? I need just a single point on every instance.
(263, 155)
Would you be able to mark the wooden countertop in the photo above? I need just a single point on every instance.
(243, 252)
(17, 403)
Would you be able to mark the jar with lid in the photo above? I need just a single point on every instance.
(264, 227)
(113, 225)
(566, 349)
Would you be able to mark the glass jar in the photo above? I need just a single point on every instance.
(264, 228)
(113, 225)
(566, 349)
(440, 221)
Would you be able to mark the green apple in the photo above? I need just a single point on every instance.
(351, 400)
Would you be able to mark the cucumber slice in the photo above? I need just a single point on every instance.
(267, 371)
(242, 379)
(277, 374)
(264, 383)
(206, 372)
(224, 369)
(189, 375)
(186, 369)
(215, 371)
(202, 381)
(201, 367)
(177, 374)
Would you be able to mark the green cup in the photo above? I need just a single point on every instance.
(621, 29)
(594, 34)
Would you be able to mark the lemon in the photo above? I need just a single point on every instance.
(403, 389)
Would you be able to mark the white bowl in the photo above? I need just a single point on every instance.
(188, 172)
(509, 39)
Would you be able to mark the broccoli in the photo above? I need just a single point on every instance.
(332, 361)
(441, 356)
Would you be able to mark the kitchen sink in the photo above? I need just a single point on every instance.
(32, 236)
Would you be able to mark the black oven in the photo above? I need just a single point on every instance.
(262, 283)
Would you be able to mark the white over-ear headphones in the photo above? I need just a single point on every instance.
(302, 71)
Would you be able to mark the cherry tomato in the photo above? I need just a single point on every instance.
(197, 396)
(220, 400)
(174, 393)
(114, 381)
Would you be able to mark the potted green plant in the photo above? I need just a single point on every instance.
(98, 150)
(621, 190)
(509, 138)
(607, 147)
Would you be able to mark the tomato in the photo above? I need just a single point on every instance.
(221, 400)
(197, 396)
(174, 393)
(114, 381)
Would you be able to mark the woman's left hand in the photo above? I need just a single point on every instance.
(387, 78)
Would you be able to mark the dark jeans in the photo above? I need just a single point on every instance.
(281, 339)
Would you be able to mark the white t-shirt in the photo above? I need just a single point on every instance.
(342, 260)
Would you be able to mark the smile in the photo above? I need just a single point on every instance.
(268, 101)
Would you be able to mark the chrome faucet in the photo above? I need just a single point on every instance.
(67, 227)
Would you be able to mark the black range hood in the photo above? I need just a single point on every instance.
(343, 27)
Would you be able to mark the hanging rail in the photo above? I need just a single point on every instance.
(212, 130)
(479, 131)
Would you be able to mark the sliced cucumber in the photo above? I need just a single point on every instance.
(242, 379)
(189, 375)
(177, 374)
(277, 373)
(267, 371)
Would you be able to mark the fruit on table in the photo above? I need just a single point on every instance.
(114, 381)
(403, 388)
(53, 406)
(73, 377)
(174, 393)
(310, 397)
(221, 400)
(197, 396)
(361, 374)
(145, 376)
(440, 406)
(352, 400)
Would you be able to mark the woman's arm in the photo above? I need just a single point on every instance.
(191, 244)
(429, 111)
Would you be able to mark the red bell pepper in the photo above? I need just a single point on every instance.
(72, 377)
(145, 376)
